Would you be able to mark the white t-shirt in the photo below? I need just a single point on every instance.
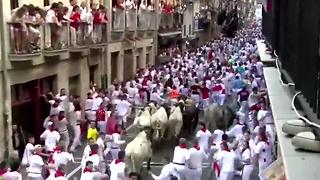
(96, 103)
(166, 172)
(227, 160)
(132, 92)
(95, 159)
(203, 139)
(51, 138)
(117, 170)
(51, 16)
(235, 131)
(180, 155)
(123, 107)
(27, 154)
(62, 158)
(196, 157)
(12, 176)
(35, 168)
(264, 151)
(217, 136)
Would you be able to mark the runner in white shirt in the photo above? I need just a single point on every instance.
(195, 159)
(89, 174)
(262, 153)
(203, 136)
(180, 156)
(227, 159)
(28, 151)
(13, 174)
(51, 137)
(88, 107)
(123, 110)
(117, 167)
(86, 153)
(94, 157)
(236, 130)
(116, 142)
(36, 164)
(167, 171)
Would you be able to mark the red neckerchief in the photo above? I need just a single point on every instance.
(118, 161)
(51, 129)
(93, 153)
(58, 174)
(60, 117)
(264, 139)
(87, 170)
(183, 146)
(2, 172)
(197, 147)
(57, 149)
(204, 129)
(216, 168)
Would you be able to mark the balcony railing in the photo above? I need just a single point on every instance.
(118, 19)
(177, 20)
(131, 19)
(24, 39)
(152, 24)
(143, 19)
(56, 37)
(170, 22)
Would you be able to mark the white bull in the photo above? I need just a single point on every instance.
(159, 122)
(144, 120)
(175, 121)
(138, 151)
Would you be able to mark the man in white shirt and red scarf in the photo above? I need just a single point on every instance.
(195, 159)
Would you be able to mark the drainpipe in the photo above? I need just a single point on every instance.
(5, 87)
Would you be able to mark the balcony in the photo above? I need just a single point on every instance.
(170, 24)
(99, 36)
(143, 19)
(80, 36)
(118, 20)
(24, 42)
(56, 38)
(131, 19)
(152, 24)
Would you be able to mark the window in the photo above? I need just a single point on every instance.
(14, 4)
(190, 30)
(46, 3)
(184, 30)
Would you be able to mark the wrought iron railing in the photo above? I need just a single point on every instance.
(56, 36)
(24, 39)
(118, 19)
(131, 19)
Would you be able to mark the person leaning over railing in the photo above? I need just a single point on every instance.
(19, 29)
(33, 20)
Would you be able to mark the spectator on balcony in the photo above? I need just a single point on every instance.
(35, 19)
(51, 29)
(19, 29)
(74, 25)
(70, 8)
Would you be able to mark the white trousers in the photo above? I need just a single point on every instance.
(227, 176)
(73, 36)
(182, 171)
(114, 153)
(194, 174)
(102, 125)
(65, 137)
(76, 139)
